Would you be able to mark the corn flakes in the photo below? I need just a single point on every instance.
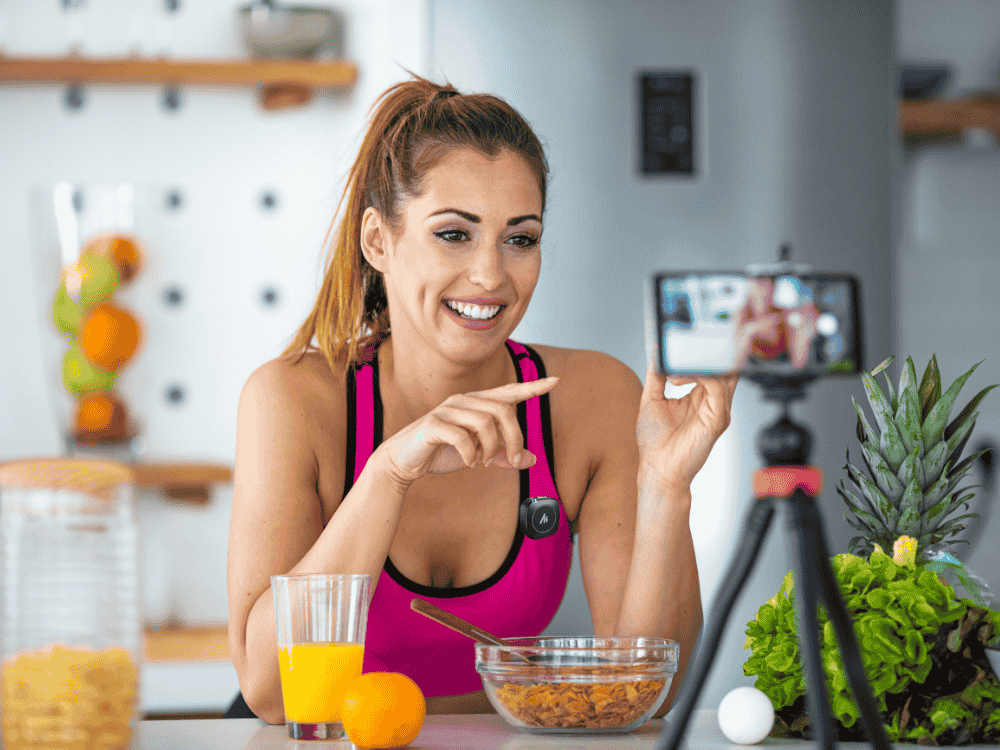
(587, 705)
(68, 697)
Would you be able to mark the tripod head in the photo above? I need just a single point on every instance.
(784, 442)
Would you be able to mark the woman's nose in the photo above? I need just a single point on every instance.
(487, 269)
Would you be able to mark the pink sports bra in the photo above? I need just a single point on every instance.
(518, 600)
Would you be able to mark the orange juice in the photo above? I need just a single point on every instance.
(314, 677)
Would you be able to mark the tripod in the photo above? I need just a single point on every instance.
(787, 479)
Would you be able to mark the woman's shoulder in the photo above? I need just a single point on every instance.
(304, 387)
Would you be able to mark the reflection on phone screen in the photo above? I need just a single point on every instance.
(730, 322)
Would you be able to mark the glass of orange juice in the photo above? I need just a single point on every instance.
(321, 622)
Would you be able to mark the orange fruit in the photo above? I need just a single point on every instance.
(382, 710)
(122, 251)
(109, 336)
(100, 416)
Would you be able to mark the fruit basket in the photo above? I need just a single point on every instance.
(87, 256)
(593, 685)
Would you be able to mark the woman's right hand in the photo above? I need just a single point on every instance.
(469, 429)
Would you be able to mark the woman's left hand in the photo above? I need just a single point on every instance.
(676, 434)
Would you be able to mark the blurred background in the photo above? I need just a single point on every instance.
(795, 137)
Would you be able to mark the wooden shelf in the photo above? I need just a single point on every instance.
(283, 82)
(950, 116)
(189, 482)
(187, 644)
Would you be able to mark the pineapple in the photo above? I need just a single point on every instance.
(913, 460)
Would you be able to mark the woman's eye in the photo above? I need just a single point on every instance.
(452, 235)
(523, 240)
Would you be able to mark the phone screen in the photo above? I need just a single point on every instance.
(728, 322)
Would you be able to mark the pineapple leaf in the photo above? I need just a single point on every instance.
(969, 407)
(910, 522)
(860, 545)
(885, 478)
(956, 443)
(885, 508)
(908, 376)
(865, 521)
(885, 363)
(938, 489)
(930, 387)
(891, 391)
(953, 522)
(864, 427)
(936, 510)
(963, 467)
(912, 469)
(933, 463)
(936, 420)
(880, 406)
(907, 419)
(854, 502)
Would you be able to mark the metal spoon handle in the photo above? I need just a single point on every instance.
(459, 625)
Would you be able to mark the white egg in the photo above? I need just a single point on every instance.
(746, 715)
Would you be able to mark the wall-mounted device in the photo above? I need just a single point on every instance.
(666, 116)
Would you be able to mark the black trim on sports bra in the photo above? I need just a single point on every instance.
(546, 411)
(352, 436)
(448, 592)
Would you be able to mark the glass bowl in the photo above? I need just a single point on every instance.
(577, 685)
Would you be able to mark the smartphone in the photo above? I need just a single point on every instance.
(730, 322)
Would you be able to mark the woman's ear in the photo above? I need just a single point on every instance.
(374, 239)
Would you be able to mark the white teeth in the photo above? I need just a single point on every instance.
(474, 311)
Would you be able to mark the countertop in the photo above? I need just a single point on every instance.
(478, 732)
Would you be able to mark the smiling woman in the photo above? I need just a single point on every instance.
(404, 434)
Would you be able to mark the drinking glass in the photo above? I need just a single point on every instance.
(321, 622)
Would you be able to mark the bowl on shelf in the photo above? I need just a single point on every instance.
(577, 685)
(272, 30)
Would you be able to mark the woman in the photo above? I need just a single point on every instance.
(395, 445)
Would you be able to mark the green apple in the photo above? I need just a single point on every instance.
(66, 312)
(91, 279)
(80, 377)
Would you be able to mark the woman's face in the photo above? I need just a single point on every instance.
(461, 268)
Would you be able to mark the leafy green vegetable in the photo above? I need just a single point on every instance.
(922, 649)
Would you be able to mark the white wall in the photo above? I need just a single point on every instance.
(794, 122)
(949, 238)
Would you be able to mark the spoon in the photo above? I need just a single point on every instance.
(462, 626)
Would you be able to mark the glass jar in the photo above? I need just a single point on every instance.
(69, 615)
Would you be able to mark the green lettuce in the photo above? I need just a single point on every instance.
(923, 649)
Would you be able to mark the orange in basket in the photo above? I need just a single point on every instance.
(109, 336)
(121, 251)
(382, 710)
(100, 416)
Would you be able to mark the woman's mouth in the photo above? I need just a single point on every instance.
(468, 311)
(474, 317)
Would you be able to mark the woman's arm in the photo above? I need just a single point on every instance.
(636, 550)
(277, 518)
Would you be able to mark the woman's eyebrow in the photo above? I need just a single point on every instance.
(476, 219)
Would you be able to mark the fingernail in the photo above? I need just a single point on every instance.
(490, 462)
(516, 462)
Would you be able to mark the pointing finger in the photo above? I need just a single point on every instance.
(513, 393)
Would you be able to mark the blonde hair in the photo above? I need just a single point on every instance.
(413, 125)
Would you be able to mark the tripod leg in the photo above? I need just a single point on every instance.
(807, 591)
(758, 521)
(847, 639)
